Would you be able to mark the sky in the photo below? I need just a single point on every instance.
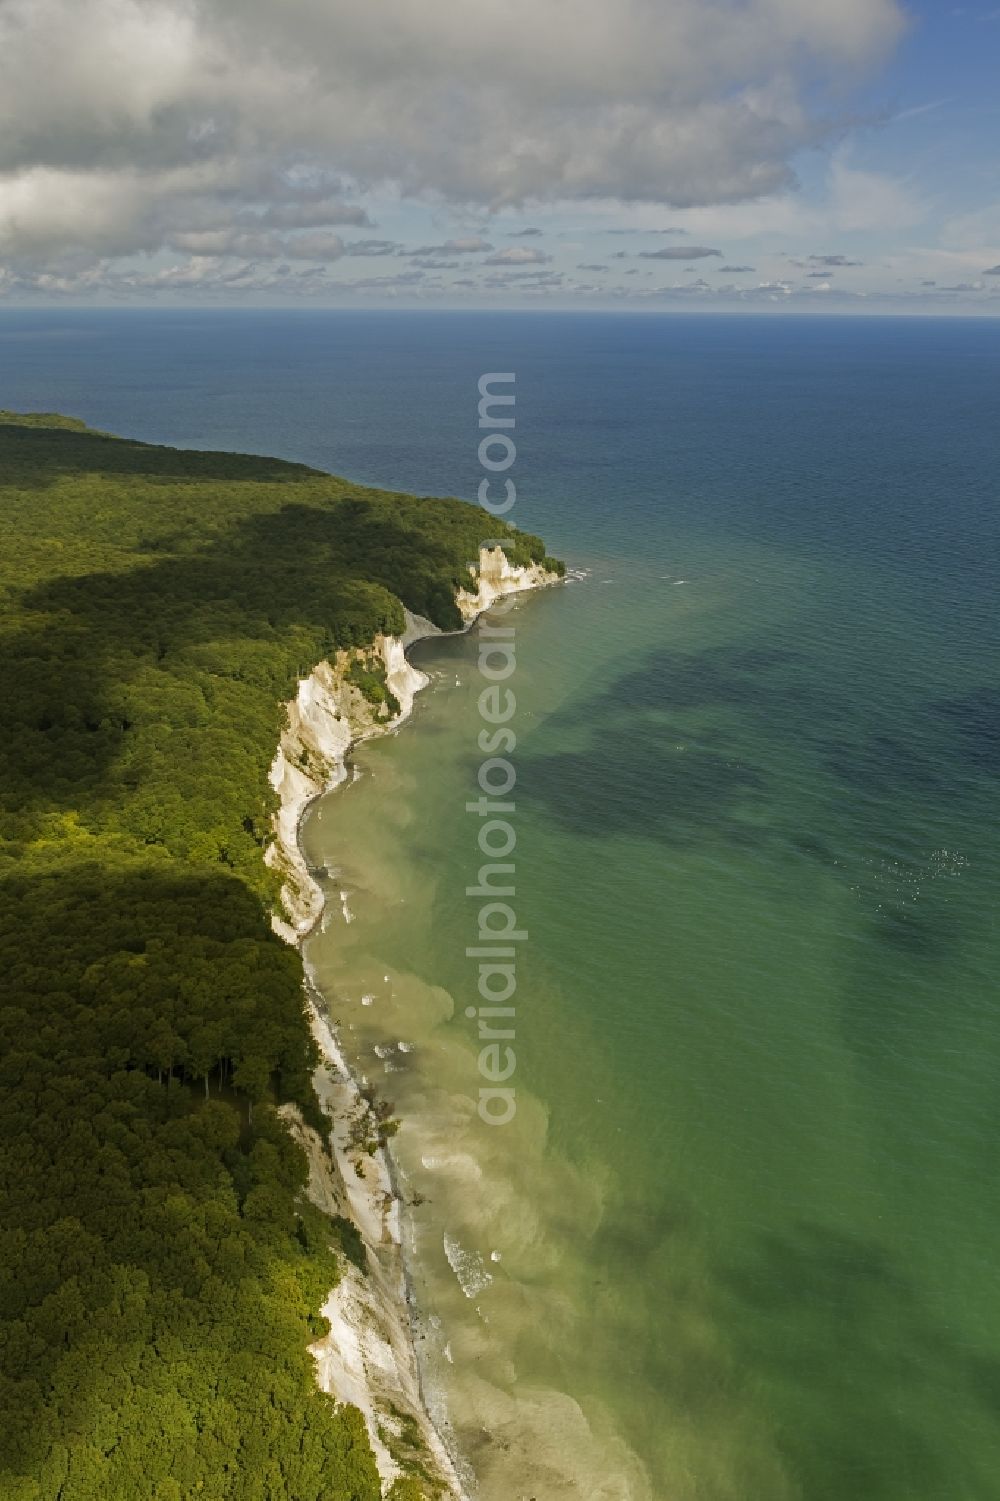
(741, 155)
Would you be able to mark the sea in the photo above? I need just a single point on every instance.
(740, 1241)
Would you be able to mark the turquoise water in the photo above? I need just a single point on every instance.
(745, 1216)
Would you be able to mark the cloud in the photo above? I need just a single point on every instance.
(993, 271)
(525, 280)
(591, 266)
(833, 260)
(737, 270)
(124, 123)
(679, 253)
(208, 277)
(311, 245)
(398, 281)
(301, 210)
(978, 230)
(517, 255)
(520, 234)
(850, 201)
(696, 288)
(371, 247)
(641, 230)
(471, 245)
(270, 245)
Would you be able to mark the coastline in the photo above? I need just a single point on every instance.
(369, 1357)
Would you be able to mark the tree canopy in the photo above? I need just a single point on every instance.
(161, 1271)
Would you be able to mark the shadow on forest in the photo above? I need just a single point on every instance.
(260, 605)
(160, 1270)
(32, 458)
(135, 1252)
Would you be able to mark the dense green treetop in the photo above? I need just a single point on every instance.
(161, 1272)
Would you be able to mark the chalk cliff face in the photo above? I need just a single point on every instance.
(369, 1357)
(330, 712)
(497, 577)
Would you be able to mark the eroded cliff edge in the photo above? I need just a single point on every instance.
(369, 1357)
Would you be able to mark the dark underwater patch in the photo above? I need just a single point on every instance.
(976, 719)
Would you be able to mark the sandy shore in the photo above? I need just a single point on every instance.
(369, 1357)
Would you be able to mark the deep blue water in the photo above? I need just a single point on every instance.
(767, 427)
(756, 424)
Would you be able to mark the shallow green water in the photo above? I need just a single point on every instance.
(744, 1215)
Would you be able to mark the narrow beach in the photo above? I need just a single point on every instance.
(369, 1357)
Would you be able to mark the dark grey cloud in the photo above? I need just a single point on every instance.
(520, 275)
(524, 281)
(833, 260)
(305, 210)
(592, 266)
(679, 253)
(737, 270)
(993, 271)
(371, 247)
(401, 279)
(468, 245)
(672, 229)
(522, 234)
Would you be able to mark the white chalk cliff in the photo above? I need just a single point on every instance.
(368, 1358)
(330, 713)
(497, 577)
(326, 716)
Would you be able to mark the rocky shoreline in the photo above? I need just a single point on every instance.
(369, 1356)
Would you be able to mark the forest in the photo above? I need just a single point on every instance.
(161, 1271)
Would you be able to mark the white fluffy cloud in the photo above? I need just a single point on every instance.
(128, 125)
